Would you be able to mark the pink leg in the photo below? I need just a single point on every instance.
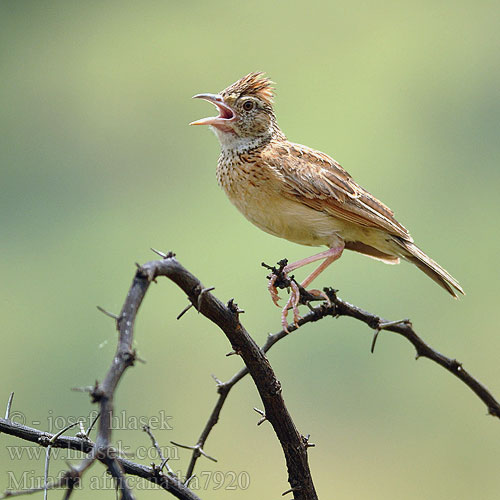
(330, 255)
(313, 258)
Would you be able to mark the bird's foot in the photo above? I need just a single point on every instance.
(299, 295)
(314, 294)
(273, 290)
(292, 303)
(277, 279)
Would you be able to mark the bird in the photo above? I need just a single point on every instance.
(300, 194)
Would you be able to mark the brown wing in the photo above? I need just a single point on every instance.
(318, 181)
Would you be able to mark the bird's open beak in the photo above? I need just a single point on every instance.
(226, 114)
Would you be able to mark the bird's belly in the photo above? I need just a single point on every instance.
(269, 210)
(285, 218)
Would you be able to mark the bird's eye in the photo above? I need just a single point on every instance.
(248, 105)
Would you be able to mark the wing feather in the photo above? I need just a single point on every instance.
(318, 181)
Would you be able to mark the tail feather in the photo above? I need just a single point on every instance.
(444, 279)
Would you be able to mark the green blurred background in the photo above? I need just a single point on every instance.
(98, 164)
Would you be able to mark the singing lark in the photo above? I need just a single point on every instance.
(302, 195)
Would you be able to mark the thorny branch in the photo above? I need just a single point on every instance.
(86, 446)
(226, 317)
(269, 388)
(103, 394)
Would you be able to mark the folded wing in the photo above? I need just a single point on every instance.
(318, 181)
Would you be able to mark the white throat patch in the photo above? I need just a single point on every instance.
(235, 143)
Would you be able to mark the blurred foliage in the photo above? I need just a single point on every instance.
(98, 164)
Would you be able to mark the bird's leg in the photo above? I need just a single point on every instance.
(329, 256)
(335, 254)
(337, 251)
(283, 271)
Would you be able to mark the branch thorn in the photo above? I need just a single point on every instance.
(188, 480)
(201, 294)
(374, 341)
(383, 325)
(107, 313)
(291, 490)
(9, 404)
(306, 441)
(196, 447)
(233, 307)
(260, 412)
(184, 311)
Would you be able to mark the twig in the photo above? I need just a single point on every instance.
(158, 449)
(223, 391)
(47, 456)
(124, 358)
(70, 478)
(56, 484)
(91, 426)
(148, 431)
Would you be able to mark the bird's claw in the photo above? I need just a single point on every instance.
(273, 290)
(292, 303)
(320, 293)
(298, 295)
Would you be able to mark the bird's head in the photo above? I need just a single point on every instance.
(245, 110)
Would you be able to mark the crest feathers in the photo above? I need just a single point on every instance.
(253, 84)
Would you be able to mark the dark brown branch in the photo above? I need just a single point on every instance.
(226, 317)
(104, 392)
(223, 390)
(124, 357)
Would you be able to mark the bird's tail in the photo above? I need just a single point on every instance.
(444, 279)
